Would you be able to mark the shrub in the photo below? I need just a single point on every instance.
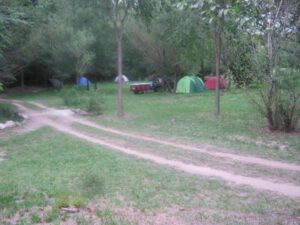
(71, 97)
(89, 100)
(95, 105)
(281, 102)
(9, 112)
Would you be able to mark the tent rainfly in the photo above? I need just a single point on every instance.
(124, 79)
(190, 84)
(211, 83)
(83, 81)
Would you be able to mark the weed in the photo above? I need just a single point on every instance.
(62, 201)
(23, 222)
(107, 217)
(35, 218)
(52, 215)
(80, 220)
(79, 202)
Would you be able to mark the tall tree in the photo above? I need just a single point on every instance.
(120, 10)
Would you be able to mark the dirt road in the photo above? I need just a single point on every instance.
(62, 120)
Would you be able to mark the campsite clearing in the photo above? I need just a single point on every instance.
(145, 187)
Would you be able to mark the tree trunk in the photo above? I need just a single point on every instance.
(202, 68)
(271, 93)
(120, 72)
(217, 40)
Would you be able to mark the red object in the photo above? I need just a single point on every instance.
(211, 83)
(140, 87)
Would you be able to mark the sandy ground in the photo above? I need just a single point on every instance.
(61, 120)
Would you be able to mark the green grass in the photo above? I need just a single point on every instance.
(192, 157)
(46, 168)
(189, 118)
(48, 97)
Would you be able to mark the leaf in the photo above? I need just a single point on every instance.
(213, 8)
(220, 13)
(226, 11)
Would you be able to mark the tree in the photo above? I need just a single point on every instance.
(120, 10)
(214, 12)
(14, 26)
(275, 47)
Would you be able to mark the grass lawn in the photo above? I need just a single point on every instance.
(189, 118)
(45, 170)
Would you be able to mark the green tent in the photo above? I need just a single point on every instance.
(190, 84)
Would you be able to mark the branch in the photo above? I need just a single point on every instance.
(277, 13)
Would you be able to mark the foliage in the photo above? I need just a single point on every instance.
(275, 63)
(282, 108)
(8, 112)
(79, 97)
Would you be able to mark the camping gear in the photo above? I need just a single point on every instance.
(83, 82)
(140, 87)
(146, 86)
(124, 79)
(190, 84)
(211, 83)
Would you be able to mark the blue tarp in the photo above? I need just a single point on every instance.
(83, 81)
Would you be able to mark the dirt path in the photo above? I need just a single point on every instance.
(244, 159)
(62, 119)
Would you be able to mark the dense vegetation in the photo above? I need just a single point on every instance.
(251, 42)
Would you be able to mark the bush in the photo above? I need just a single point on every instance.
(281, 102)
(9, 112)
(95, 104)
(89, 100)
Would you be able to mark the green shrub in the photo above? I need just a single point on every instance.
(72, 97)
(95, 106)
(89, 100)
(9, 112)
(281, 102)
